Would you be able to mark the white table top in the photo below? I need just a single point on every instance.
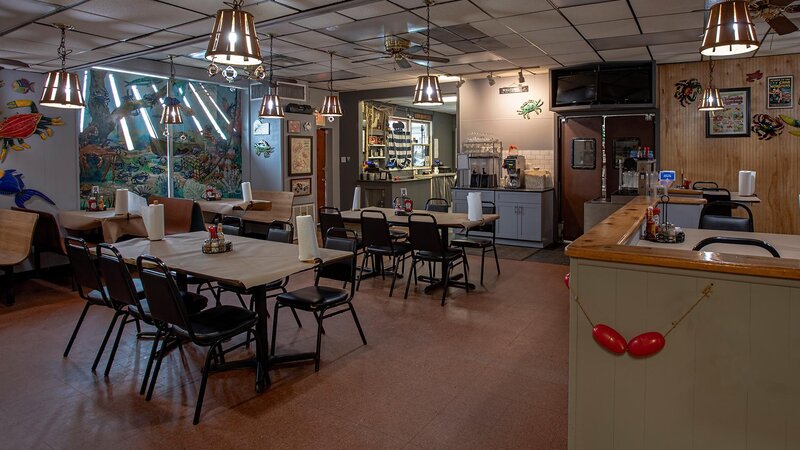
(788, 245)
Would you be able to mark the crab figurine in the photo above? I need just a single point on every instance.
(22, 126)
(686, 91)
(530, 106)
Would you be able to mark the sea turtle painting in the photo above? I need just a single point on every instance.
(15, 129)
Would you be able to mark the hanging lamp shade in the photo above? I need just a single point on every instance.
(171, 113)
(711, 100)
(331, 106)
(730, 30)
(62, 90)
(271, 106)
(427, 92)
(233, 39)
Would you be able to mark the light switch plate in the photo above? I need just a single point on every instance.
(404, 191)
(343, 159)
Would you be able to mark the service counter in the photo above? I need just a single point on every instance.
(381, 193)
(728, 375)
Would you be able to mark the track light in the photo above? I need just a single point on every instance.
(459, 83)
(490, 79)
(521, 77)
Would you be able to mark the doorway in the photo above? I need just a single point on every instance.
(321, 152)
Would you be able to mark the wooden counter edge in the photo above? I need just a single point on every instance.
(607, 242)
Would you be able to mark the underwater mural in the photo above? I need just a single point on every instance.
(123, 145)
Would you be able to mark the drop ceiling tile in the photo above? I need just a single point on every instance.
(313, 39)
(120, 48)
(280, 29)
(306, 4)
(46, 34)
(322, 21)
(465, 30)
(598, 12)
(674, 49)
(268, 10)
(495, 65)
(348, 51)
(521, 52)
(667, 37)
(445, 50)
(153, 14)
(370, 71)
(209, 7)
(578, 58)
(671, 22)
(644, 8)
(99, 25)
(159, 38)
(566, 48)
(490, 43)
(394, 24)
(491, 27)
(506, 8)
(626, 54)
(513, 40)
(535, 21)
(473, 58)
(680, 58)
(563, 34)
(540, 61)
(195, 28)
(598, 30)
(454, 13)
(15, 13)
(371, 10)
(466, 46)
(314, 56)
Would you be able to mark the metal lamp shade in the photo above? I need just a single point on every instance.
(233, 39)
(331, 106)
(271, 107)
(171, 114)
(729, 31)
(711, 100)
(427, 91)
(62, 90)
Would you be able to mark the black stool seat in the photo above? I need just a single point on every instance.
(472, 242)
(218, 323)
(313, 297)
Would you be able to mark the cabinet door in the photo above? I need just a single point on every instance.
(508, 224)
(530, 223)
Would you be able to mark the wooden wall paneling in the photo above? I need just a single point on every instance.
(776, 161)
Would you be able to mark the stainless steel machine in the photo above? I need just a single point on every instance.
(515, 171)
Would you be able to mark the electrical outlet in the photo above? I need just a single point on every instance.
(404, 191)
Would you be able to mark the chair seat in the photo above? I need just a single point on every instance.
(449, 254)
(277, 284)
(313, 297)
(216, 323)
(398, 234)
(95, 297)
(398, 248)
(471, 242)
(194, 304)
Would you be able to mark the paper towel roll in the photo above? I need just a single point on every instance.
(474, 206)
(247, 192)
(153, 217)
(747, 182)
(121, 201)
(307, 238)
(357, 199)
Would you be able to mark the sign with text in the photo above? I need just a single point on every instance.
(514, 89)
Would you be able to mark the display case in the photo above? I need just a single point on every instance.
(421, 143)
(375, 136)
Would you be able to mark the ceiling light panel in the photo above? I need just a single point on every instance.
(598, 12)
(371, 10)
(512, 7)
(672, 22)
(626, 27)
(535, 21)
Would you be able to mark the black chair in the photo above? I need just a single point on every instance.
(208, 328)
(714, 196)
(329, 217)
(711, 220)
(737, 241)
(428, 246)
(437, 205)
(485, 244)
(378, 243)
(319, 300)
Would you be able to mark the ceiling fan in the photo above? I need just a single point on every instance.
(403, 53)
(772, 11)
(12, 63)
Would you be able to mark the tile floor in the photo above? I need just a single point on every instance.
(489, 370)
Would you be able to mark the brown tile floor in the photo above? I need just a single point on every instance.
(489, 370)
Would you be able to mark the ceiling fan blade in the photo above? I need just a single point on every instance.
(427, 58)
(782, 25)
(402, 62)
(780, 2)
(372, 59)
(4, 62)
(414, 49)
(793, 9)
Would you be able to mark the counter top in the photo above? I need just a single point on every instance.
(407, 180)
(609, 241)
(786, 244)
(499, 189)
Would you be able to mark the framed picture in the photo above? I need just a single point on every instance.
(780, 92)
(300, 186)
(300, 155)
(260, 126)
(734, 120)
(293, 126)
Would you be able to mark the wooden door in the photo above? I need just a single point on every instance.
(580, 179)
(322, 143)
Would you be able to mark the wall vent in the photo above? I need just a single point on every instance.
(306, 209)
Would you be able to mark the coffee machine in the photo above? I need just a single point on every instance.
(515, 171)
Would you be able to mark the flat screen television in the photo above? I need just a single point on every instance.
(612, 85)
(626, 85)
(575, 87)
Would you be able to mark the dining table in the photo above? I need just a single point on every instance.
(445, 221)
(251, 264)
(233, 206)
(114, 225)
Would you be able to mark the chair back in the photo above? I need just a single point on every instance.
(703, 185)
(119, 282)
(178, 214)
(18, 228)
(437, 204)
(737, 241)
(47, 235)
(375, 229)
(280, 231)
(710, 219)
(163, 298)
(329, 217)
(83, 268)
(489, 227)
(423, 232)
(198, 223)
(717, 201)
(343, 270)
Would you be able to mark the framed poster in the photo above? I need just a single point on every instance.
(734, 120)
(260, 126)
(300, 155)
(300, 186)
(780, 92)
(293, 126)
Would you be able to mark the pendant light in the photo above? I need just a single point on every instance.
(427, 91)
(730, 30)
(171, 113)
(233, 39)
(61, 88)
(271, 103)
(711, 98)
(331, 107)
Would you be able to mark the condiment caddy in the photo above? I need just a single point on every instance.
(657, 230)
(216, 242)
